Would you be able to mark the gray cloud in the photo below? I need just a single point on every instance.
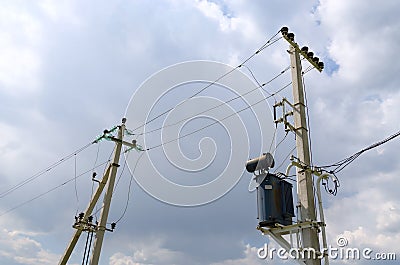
(69, 69)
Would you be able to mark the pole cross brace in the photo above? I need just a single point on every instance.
(294, 228)
(85, 226)
(277, 234)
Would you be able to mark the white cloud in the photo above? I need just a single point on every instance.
(150, 252)
(22, 248)
(374, 224)
(154, 254)
(97, 55)
(20, 63)
(61, 11)
(363, 37)
(250, 258)
(228, 22)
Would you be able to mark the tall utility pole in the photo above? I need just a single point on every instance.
(304, 177)
(85, 220)
(307, 226)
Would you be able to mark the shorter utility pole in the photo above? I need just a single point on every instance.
(107, 197)
(84, 222)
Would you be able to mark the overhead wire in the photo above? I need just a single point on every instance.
(129, 189)
(340, 165)
(43, 171)
(94, 166)
(308, 119)
(50, 190)
(219, 120)
(284, 160)
(264, 46)
(97, 209)
(280, 142)
(309, 131)
(223, 103)
(122, 172)
(256, 80)
(76, 188)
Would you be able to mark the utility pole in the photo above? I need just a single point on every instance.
(85, 220)
(304, 177)
(307, 226)
(107, 197)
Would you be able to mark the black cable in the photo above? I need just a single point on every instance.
(340, 165)
(273, 139)
(265, 45)
(76, 188)
(218, 121)
(94, 165)
(50, 190)
(280, 142)
(284, 160)
(262, 86)
(256, 80)
(129, 188)
(120, 175)
(308, 119)
(84, 252)
(40, 173)
(90, 245)
(309, 133)
(104, 171)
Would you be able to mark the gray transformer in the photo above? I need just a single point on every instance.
(274, 202)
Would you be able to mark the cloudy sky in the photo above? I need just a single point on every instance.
(69, 68)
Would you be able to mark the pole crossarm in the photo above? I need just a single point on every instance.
(308, 55)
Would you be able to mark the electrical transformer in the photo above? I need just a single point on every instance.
(274, 201)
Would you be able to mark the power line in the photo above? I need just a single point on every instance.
(75, 186)
(308, 117)
(129, 189)
(40, 173)
(218, 121)
(262, 86)
(280, 142)
(120, 175)
(276, 128)
(50, 190)
(283, 161)
(340, 165)
(94, 165)
(264, 46)
(223, 103)
(104, 171)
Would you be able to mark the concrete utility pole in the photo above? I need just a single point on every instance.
(304, 177)
(85, 220)
(107, 198)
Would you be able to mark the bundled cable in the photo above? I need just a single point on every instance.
(340, 165)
